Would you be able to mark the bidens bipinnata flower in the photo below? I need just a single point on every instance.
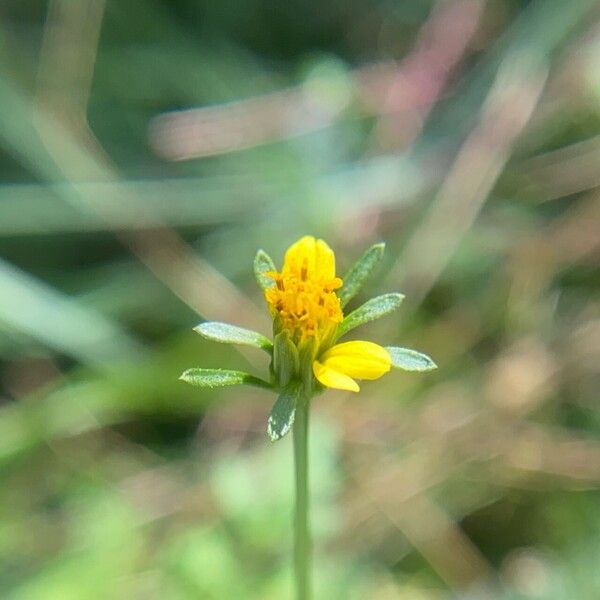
(306, 300)
(305, 305)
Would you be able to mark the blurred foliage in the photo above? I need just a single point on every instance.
(465, 134)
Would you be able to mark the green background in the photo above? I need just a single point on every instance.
(465, 134)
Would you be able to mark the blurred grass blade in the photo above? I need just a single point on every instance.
(369, 311)
(231, 334)
(263, 264)
(192, 201)
(360, 271)
(61, 322)
(410, 360)
(283, 412)
(212, 378)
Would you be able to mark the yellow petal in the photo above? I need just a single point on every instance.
(324, 261)
(334, 379)
(299, 254)
(362, 360)
(310, 258)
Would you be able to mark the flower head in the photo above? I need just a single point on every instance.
(303, 297)
(306, 300)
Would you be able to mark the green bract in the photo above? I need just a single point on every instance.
(372, 309)
(286, 362)
(230, 334)
(360, 272)
(410, 360)
(220, 378)
(283, 412)
(263, 264)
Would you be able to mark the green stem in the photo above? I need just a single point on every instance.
(302, 541)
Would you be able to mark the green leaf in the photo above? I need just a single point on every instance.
(359, 272)
(230, 334)
(283, 412)
(285, 358)
(369, 311)
(220, 378)
(410, 360)
(263, 264)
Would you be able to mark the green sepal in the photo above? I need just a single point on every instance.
(231, 334)
(359, 272)
(307, 354)
(285, 359)
(410, 360)
(369, 311)
(277, 324)
(211, 378)
(283, 412)
(263, 264)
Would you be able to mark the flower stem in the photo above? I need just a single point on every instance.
(302, 541)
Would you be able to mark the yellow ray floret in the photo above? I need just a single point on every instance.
(310, 259)
(340, 365)
(304, 292)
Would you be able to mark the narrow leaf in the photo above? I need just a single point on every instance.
(410, 360)
(220, 378)
(230, 334)
(283, 412)
(263, 264)
(369, 311)
(285, 358)
(359, 272)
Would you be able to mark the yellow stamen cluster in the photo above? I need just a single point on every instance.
(304, 295)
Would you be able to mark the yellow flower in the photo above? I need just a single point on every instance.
(304, 293)
(304, 302)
